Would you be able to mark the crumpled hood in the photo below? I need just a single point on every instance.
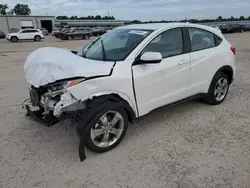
(49, 64)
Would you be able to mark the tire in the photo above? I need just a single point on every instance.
(70, 37)
(86, 37)
(218, 89)
(242, 31)
(14, 39)
(37, 38)
(100, 139)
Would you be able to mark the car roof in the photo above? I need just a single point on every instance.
(160, 26)
(151, 26)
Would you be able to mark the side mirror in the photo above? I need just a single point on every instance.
(151, 58)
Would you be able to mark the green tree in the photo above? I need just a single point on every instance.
(3, 8)
(242, 18)
(219, 18)
(21, 9)
(62, 17)
(98, 17)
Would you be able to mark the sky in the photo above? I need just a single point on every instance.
(144, 10)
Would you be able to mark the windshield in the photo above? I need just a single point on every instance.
(115, 45)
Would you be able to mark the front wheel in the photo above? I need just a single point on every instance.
(70, 37)
(86, 37)
(14, 39)
(108, 130)
(218, 89)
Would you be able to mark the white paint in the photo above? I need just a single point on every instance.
(156, 85)
(23, 35)
(151, 56)
(46, 65)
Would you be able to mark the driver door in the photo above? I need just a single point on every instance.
(157, 85)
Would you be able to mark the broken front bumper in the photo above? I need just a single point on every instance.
(48, 112)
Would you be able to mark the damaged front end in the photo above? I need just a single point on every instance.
(52, 102)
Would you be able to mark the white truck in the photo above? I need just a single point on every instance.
(125, 74)
(26, 34)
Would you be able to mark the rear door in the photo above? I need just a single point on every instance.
(204, 59)
(33, 33)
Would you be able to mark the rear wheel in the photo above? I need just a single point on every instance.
(218, 89)
(14, 39)
(37, 38)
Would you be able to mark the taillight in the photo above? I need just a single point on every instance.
(233, 49)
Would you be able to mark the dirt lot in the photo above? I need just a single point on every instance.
(192, 145)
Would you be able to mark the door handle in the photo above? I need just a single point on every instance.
(183, 61)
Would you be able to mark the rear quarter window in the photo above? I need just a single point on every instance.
(218, 40)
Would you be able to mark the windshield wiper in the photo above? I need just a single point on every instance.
(84, 53)
(103, 51)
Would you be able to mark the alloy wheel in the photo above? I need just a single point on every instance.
(107, 130)
(221, 89)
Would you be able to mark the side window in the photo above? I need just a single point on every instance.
(24, 31)
(169, 43)
(201, 39)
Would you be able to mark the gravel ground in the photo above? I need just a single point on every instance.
(192, 145)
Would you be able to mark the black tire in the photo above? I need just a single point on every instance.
(14, 39)
(37, 38)
(86, 37)
(210, 97)
(70, 37)
(89, 121)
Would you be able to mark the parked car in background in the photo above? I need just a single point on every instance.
(26, 34)
(2, 35)
(14, 30)
(76, 33)
(233, 28)
(54, 31)
(98, 32)
(58, 34)
(44, 31)
(247, 26)
(126, 74)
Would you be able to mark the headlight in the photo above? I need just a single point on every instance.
(59, 88)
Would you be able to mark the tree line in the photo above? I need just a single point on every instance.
(19, 9)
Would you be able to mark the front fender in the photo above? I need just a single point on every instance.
(110, 92)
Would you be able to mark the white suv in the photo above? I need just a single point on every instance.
(26, 34)
(127, 73)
